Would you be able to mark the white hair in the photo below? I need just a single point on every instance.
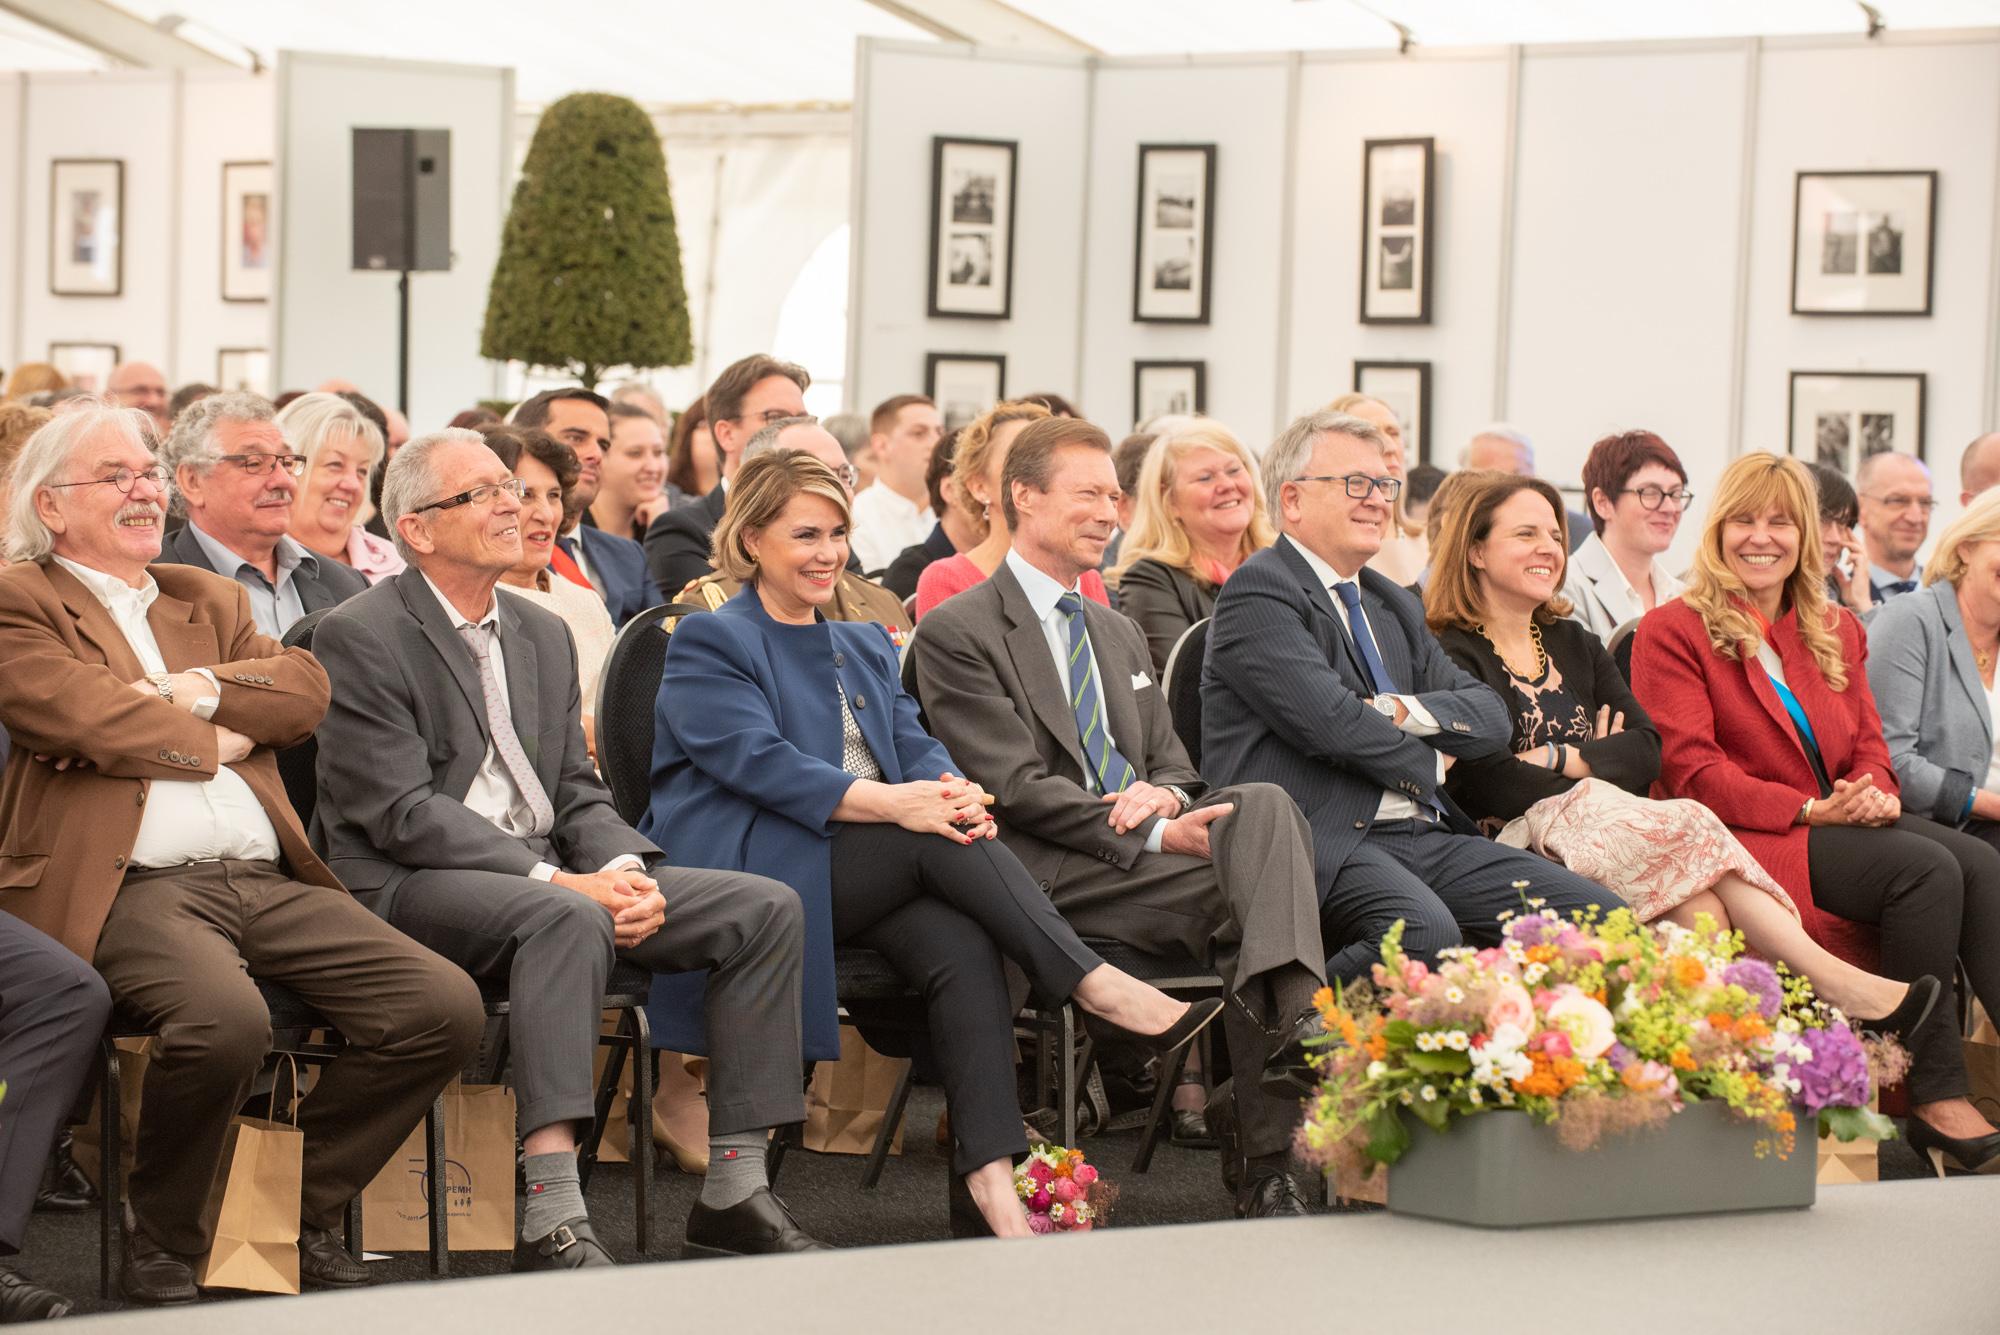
(412, 481)
(48, 453)
(1506, 431)
(1293, 449)
(192, 441)
(766, 437)
(313, 420)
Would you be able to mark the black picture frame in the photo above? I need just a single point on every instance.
(106, 359)
(997, 237)
(1153, 301)
(1417, 442)
(224, 380)
(1862, 253)
(1198, 388)
(1916, 383)
(232, 192)
(1385, 231)
(954, 414)
(57, 169)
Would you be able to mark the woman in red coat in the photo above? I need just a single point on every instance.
(1757, 687)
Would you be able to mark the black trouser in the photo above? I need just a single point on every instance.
(1934, 893)
(944, 914)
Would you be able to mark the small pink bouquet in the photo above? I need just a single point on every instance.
(1061, 1192)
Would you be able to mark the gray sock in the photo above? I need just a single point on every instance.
(735, 1168)
(554, 1194)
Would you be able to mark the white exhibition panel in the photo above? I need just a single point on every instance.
(905, 95)
(1460, 100)
(13, 214)
(1239, 105)
(225, 117)
(333, 321)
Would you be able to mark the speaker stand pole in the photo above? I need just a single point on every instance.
(403, 344)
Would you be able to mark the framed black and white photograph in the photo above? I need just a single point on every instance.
(1405, 387)
(1175, 238)
(972, 228)
(1396, 190)
(246, 231)
(964, 384)
(1159, 388)
(1839, 418)
(1862, 242)
(87, 366)
(244, 369)
(86, 227)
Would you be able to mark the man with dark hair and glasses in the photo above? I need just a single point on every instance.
(235, 478)
(1322, 678)
(1896, 506)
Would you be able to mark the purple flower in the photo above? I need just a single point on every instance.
(1760, 980)
(1837, 1075)
(1620, 1056)
(1528, 929)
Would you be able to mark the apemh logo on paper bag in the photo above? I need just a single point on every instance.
(457, 1190)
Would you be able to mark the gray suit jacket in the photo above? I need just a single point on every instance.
(990, 693)
(1282, 692)
(407, 730)
(321, 583)
(1933, 704)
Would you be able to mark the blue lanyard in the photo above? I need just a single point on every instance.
(1795, 709)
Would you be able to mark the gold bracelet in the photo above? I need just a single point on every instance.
(1805, 812)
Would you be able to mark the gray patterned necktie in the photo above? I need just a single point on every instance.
(500, 722)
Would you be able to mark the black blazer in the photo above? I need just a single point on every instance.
(1164, 601)
(903, 572)
(678, 542)
(1502, 787)
(322, 582)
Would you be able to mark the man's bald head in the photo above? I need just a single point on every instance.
(1979, 467)
(140, 385)
(803, 433)
(1502, 448)
(1896, 504)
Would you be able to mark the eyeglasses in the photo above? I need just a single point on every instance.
(257, 464)
(1902, 502)
(124, 479)
(1359, 485)
(483, 495)
(770, 415)
(1654, 497)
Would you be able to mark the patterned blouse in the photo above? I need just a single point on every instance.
(855, 757)
(1548, 709)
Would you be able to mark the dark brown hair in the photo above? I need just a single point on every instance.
(1031, 460)
(725, 396)
(1452, 597)
(1614, 459)
(535, 412)
(680, 450)
(510, 442)
(938, 468)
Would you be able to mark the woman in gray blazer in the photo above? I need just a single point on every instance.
(1931, 659)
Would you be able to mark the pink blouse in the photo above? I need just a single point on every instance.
(956, 574)
(372, 556)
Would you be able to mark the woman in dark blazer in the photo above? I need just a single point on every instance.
(785, 745)
(1759, 689)
(1200, 513)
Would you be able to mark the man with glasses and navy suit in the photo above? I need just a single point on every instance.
(1322, 678)
(235, 477)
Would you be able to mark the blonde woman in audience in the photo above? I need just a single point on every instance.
(1636, 491)
(1405, 550)
(17, 423)
(342, 448)
(1198, 513)
(30, 378)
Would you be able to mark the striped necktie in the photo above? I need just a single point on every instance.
(1111, 772)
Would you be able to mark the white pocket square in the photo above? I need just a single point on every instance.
(1140, 679)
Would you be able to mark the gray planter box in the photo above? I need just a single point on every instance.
(1504, 1169)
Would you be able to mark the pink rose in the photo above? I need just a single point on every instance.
(1082, 1226)
(1039, 1223)
(1511, 1004)
(1039, 1202)
(1084, 1175)
(1414, 973)
(1552, 1041)
(1040, 1172)
(1587, 1023)
(1067, 1190)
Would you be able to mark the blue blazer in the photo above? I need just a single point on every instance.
(746, 774)
(619, 566)
(1281, 701)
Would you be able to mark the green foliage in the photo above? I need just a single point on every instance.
(589, 275)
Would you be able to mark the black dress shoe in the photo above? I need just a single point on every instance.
(1909, 1016)
(1220, 1114)
(1288, 1072)
(64, 1187)
(21, 1299)
(325, 1263)
(1980, 1154)
(570, 1245)
(154, 1276)
(1274, 1195)
(758, 1226)
(1190, 1129)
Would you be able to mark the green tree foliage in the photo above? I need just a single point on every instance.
(589, 275)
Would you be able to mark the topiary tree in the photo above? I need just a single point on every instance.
(589, 274)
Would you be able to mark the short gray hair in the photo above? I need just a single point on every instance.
(411, 480)
(47, 453)
(766, 436)
(312, 420)
(851, 430)
(192, 441)
(1293, 449)
(1506, 431)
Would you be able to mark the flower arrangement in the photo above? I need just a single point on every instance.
(1594, 1026)
(1061, 1192)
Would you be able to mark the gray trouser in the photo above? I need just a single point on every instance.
(555, 949)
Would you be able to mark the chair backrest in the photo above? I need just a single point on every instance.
(1620, 645)
(910, 608)
(1182, 684)
(298, 765)
(628, 692)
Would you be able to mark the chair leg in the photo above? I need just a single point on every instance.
(110, 1163)
(1067, 1075)
(640, 1117)
(1163, 1097)
(892, 1118)
(607, 1094)
(437, 1173)
(356, 1244)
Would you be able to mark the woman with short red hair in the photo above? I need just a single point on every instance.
(1636, 491)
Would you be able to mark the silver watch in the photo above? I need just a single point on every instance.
(162, 683)
(1179, 795)
(1385, 706)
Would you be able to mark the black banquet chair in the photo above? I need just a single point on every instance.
(1181, 683)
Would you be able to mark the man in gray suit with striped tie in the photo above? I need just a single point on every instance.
(1046, 699)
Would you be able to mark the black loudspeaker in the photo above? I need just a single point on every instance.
(402, 199)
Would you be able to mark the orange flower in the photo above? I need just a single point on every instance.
(1377, 1048)
(1688, 972)
(1752, 1027)
(1552, 1077)
(1323, 1001)
(1681, 1061)
(1543, 954)
(1721, 1021)
(1349, 1034)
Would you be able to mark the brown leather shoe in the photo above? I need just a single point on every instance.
(154, 1276)
(325, 1262)
(758, 1226)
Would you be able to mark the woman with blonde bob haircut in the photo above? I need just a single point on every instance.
(786, 746)
(1761, 694)
(342, 448)
(1199, 514)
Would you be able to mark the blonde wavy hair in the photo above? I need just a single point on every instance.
(1157, 533)
(975, 448)
(1980, 523)
(1749, 486)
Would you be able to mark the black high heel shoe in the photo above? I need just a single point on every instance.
(1916, 1007)
(1182, 1032)
(1979, 1155)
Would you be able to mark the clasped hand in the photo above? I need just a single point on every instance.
(1856, 802)
(952, 806)
(633, 899)
(1185, 832)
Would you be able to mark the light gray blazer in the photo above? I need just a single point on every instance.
(1933, 704)
(1600, 597)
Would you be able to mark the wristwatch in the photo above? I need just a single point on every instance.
(1179, 795)
(1385, 706)
(162, 683)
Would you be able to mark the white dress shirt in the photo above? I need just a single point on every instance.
(885, 522)
(494, 796)
(1603, 599)
(186, 820)
(1043, 591)
(1417, 721)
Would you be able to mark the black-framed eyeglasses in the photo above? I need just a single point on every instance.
(769, 415)
(1359, 485)
(1653, 497)
(258, 464)
(481, 495)
(124, 479)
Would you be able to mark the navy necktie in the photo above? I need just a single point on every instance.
(1111, 770)
(1364, 638)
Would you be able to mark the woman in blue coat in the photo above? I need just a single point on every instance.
(784, 745)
